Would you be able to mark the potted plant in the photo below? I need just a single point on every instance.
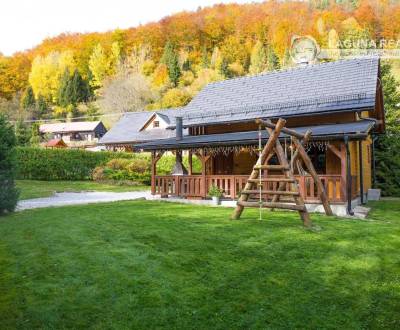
(215, 193)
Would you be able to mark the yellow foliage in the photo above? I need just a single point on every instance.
(160, 77)
(186, 79)
(46, 73)
(148, 67)
(236, 69)
(175, 98)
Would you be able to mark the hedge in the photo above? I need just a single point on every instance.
(61, 164)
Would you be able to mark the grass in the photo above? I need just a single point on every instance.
(35, 189)
(155, 265)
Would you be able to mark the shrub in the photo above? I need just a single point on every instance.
(61, 164)
(8, 191)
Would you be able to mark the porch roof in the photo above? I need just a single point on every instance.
(358, 130)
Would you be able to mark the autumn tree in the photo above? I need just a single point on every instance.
(46, 73)
(258, 59)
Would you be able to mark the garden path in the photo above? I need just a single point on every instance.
(78, 198)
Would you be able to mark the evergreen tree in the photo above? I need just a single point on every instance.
(65, 91)
(28, 99)
(80, 88)
(205, 62)
(224, 69)
(35, 135)
(258, 59)
(41, 106)
(171, 60)
(272, 59)
(22, 133)
(8, 192)
(387, 146)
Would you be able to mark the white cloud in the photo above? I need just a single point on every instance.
(25, 23)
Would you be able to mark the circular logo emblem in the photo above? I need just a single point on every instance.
(303, 49)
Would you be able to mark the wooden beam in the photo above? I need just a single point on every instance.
(155, 157)
(335, 150)
(321, 189)
(271, 167)
(272, 179)
(288, 131)
(285, 206)
(261, 160)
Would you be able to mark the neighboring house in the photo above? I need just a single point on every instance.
(341, 102)
(75, 134)
(136, 127)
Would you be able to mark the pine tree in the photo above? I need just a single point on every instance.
(64, 93)
(28, 99)
(22, 133)
(8, 192)
(224, 69)
(171, 60)
(272, 59)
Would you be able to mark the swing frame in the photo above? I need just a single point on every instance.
(273, 146)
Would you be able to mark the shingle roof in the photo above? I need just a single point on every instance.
(249, 138)
(341, 85)
(128, 129)
(79, 126)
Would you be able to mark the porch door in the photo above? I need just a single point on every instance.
(223, 164)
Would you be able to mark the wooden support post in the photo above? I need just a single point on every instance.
(155, 157)
(190, 162)
(255, 173)
(321, 189)
(341, 154)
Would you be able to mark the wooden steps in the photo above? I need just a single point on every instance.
(284, 206)
(271, 192)
(272, 167)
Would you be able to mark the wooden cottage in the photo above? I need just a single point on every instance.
(341, 102)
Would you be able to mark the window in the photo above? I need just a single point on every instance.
(156, 123)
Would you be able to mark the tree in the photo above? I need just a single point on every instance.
(46, 74)
(100, 66)
(387, 146)
(22, 133)
(171, 59)
(28, 99)
(258, 59)
(41, 107)
(126, 92)
(8, 192)
(73, 89)
(272, 59)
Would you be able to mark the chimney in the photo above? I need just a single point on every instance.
(179, 128)
(179, 169)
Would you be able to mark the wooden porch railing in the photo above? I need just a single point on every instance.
(192, 186)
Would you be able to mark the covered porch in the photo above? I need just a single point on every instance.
(227, 160)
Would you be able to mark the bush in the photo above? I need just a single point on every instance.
(8, 191)
(61, 164)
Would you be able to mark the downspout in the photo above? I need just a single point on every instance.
(348, 174)
(374, 138)
(360, 160)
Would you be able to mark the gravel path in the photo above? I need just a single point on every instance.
(61, 199)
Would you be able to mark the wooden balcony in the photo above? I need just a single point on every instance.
(196, 186)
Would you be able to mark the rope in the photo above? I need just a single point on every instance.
(260, 172)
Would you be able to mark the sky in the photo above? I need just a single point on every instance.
(25, 23)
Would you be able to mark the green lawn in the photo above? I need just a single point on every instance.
(36, 189)
(155, 265)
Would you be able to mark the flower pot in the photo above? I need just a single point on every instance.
(215, 200)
